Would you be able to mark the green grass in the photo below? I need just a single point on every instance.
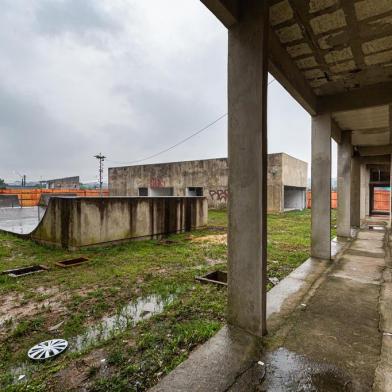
(114, 276)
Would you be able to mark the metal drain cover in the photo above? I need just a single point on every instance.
(48, 349)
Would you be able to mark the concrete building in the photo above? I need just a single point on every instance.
(287, 179)
(65, 183)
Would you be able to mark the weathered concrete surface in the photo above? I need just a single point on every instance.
(229, 353)
(88, 221)
(247, 153)
(344, 186)
(321, 186)
(20, 220)
(211, 176)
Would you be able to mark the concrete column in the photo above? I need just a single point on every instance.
(344, 186)
(390, 184)
(321, 186)
(363, 192)
(355, 191)
(247, 151)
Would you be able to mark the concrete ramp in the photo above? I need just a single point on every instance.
(73, 223)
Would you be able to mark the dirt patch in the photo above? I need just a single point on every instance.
(14, 307)
(80, 373)
(212, 262)
(212, 239)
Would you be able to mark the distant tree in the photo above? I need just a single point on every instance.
(2, 184)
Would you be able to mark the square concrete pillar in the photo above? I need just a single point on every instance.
(321, 186)
(247, 141)
(345, 151)
(355, 192)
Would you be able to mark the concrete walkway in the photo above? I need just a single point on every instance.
(336, 337)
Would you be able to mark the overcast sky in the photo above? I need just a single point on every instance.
(127, 78)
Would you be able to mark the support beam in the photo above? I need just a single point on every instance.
(375, 150)
(375, 95)
(355, 192)
(225, 10)
(321, 186)
(336, 132)
(344, 186)
(247, 142)
(364, 191)
(286, 72)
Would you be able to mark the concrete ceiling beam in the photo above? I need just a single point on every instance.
(375, 150)
(227, 11)
(336, 132)
(283, 69)
(376, 160)
(376, 95)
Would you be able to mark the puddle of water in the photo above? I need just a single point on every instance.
(107, 328)
(288, 371)
(128, 316)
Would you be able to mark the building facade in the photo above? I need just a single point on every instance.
(287, 180)
(65, 183)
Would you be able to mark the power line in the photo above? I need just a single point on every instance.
(180, 142)
(175, 145)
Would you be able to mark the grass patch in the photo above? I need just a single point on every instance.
(81, 296)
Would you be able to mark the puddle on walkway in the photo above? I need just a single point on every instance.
(288, 371)
(107, 328)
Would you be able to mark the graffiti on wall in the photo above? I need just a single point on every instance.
(219, 194)
(156, 182)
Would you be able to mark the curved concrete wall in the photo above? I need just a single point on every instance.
(87, 221)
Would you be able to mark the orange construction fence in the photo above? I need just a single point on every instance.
(381, 200)
(31, 197)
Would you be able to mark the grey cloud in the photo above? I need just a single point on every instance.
(73, 16)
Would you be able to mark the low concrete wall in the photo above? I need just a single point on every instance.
(80, 222)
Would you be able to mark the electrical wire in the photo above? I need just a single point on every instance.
(179, 143)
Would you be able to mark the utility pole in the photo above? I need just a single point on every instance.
(101, 158)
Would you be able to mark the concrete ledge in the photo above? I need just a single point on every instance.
(78, 222)
(219, 363)
(215, 366)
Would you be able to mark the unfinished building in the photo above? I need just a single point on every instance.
(287, 179)
(64, 183)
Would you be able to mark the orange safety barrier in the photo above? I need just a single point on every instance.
(334, 200)
(31, 197)
(381, 200)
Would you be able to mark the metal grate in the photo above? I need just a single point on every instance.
(216, 277)
(23, 271)
(71, 262)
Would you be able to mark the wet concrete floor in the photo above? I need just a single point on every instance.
(20, 220)
(333, 341)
